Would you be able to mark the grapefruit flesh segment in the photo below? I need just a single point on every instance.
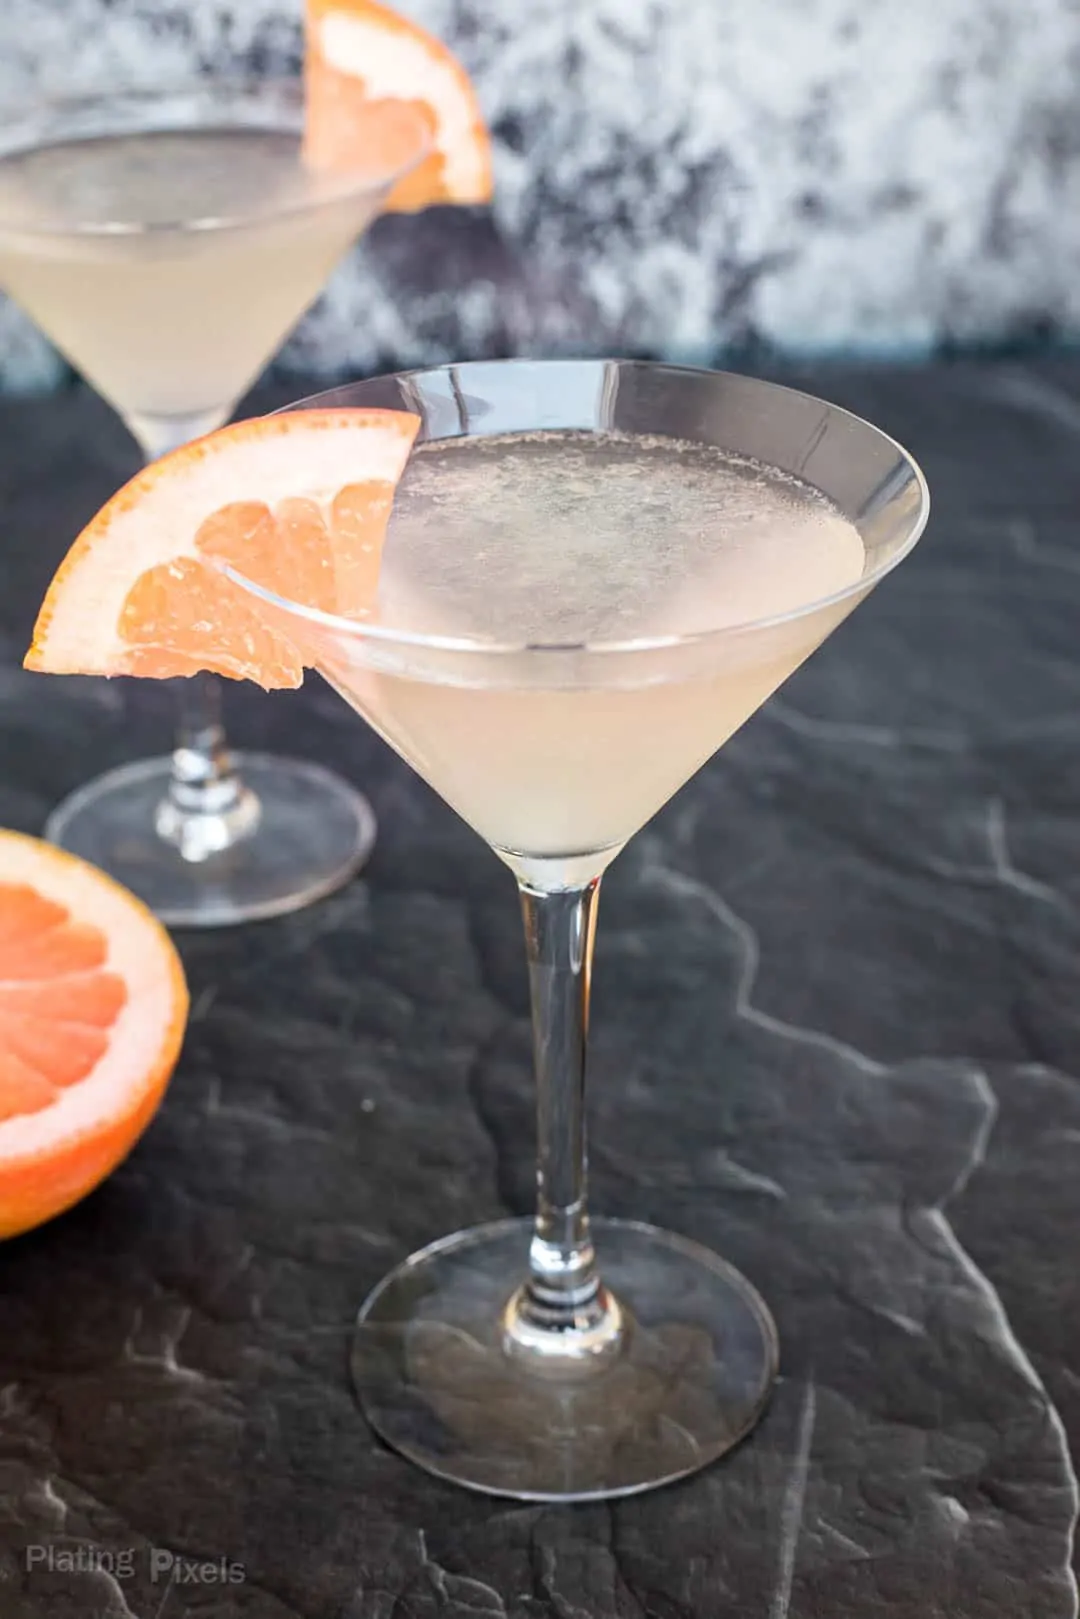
(22, 1088)
(182, 617)
(38, 938)
(297, 503)
(93, 1000)
(92, 1011)
(360, 515)
(65, 1052)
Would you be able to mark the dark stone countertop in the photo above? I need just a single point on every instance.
(837, 1026)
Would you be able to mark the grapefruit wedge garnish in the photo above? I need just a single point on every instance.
(297, 503)
(361, 59)
(92, 1011)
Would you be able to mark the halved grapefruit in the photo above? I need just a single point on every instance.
(298, 503)
(92, 1012)
(361, 57)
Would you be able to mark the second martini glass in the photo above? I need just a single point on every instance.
(594, 574)
(166, 243)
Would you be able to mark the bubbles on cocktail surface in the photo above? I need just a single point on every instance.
(575, 536)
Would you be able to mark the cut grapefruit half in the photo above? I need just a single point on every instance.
(361, 58)
(297, 503)
(92, 1012)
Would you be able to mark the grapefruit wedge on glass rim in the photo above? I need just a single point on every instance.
(360, 58)
(297, 503)
(93, 1005)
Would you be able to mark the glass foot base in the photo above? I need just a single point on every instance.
(313, 832)
(690, 1381)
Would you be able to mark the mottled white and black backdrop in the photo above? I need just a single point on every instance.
(685, 177)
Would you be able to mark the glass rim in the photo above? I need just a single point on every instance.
(36, 123)
(387, 636)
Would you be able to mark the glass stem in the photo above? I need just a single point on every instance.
(562, 1313)
(206, 809)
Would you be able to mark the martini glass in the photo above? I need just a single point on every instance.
(166, 242)
(595, 573)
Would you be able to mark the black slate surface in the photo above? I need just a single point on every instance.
(836, 1034)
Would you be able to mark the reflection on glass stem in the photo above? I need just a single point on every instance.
(562, 1313)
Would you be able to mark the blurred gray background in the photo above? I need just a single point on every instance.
(679, 177)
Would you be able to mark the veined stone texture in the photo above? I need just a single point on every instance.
(674, 177)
